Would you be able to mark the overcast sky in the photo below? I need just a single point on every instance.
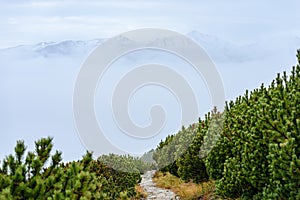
(27, 84)
(28, 22)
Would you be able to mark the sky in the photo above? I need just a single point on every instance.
(37, 90)
(28, 22)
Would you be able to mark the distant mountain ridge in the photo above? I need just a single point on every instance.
(219, 50)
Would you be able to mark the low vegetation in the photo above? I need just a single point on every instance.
(252, 150)
(185, 190)
(40, 175)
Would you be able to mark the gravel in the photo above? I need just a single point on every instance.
(156, 192)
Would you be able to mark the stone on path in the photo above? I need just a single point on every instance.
(156, 192)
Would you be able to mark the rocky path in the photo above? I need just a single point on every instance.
(153, 191)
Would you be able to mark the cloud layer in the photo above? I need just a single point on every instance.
(26, 22)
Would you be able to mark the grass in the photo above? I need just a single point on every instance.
(141, 193)
(186, 191)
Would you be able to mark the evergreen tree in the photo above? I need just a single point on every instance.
(28, 177)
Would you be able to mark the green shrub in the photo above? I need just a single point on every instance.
(183, 149)
(257, 156)
(27, 177)
(255, 144)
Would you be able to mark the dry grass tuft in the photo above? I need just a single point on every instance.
(141, 193)
(186, 191)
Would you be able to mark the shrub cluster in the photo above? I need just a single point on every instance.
(33, 177)
(252, 149)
